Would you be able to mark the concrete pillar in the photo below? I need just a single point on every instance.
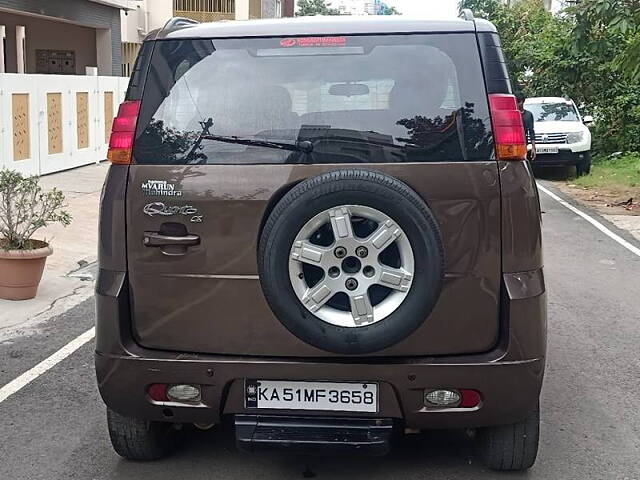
(242, 9)
(158, 13)
(103, 52)
(20, 49)
(2, 37)
(255, 9)
(288, 7)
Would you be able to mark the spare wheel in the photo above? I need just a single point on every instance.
(351, 261)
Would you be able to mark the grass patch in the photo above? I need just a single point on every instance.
(614, 174)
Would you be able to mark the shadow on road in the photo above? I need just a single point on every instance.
(212, 454)
(554, 173)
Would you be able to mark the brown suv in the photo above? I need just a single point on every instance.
(325, 231)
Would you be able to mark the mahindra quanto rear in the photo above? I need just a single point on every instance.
(325, 232)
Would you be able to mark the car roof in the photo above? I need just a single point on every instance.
(180, 28)
(546, 100)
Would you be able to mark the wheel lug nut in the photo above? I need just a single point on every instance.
(340, 252)
(351, 284)
(334, 272)
(362, 252)
(368, 271)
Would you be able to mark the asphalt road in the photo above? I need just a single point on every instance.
(54, 428)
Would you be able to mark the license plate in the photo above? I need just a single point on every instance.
(329, 396)
(546, 149)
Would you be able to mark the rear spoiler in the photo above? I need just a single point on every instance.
(493, 62)
(172, 25)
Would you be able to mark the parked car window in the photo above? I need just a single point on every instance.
(553, 112)
(355, 99)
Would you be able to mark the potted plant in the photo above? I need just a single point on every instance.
(24, 208)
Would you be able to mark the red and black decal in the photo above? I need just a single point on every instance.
(313, 42)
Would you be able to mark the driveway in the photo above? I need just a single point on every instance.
(54, 427)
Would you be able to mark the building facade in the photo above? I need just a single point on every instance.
(60, 36)
(359, 7)
(143, 16)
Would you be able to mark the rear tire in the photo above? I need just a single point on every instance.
(584, 167)
(586, 163)
(141, 440)
(512, 447)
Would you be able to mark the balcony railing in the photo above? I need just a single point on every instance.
(205, 6)
(204, 16)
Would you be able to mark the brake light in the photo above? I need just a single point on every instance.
(123, 132)
(508, 130)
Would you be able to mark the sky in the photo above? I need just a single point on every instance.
(426, 8)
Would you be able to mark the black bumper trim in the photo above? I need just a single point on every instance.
(314, 435)
(560, 159)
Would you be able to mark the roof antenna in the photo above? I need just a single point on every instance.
(467, 15)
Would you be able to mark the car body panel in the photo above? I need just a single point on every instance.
(209, 300)
(513, 370)
(317, 25)
(158, 322)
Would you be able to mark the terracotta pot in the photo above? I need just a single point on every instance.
(21, 271)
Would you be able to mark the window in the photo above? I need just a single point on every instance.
(553, 112)
(356, 99)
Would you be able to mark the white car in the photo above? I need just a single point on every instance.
(562, 136)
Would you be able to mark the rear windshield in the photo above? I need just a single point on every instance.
(343, 99)
(553, 112)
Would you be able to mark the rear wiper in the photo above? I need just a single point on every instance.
(367, 141)
(193, 156)
(304, 146)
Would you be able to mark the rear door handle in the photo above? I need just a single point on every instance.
(156, 239)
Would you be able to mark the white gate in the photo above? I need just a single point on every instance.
(19, 146)
(56, 121)
(50, 123)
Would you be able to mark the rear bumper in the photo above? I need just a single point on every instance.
(509, 377)
(509, 389)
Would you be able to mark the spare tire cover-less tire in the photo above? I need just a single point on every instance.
(351, 261)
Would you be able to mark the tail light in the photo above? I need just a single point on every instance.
(508, 130)
(123, 132)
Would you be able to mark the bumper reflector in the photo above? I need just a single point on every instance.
(184, 393)
(470, 399)
(442, 398)
(158, 392)
(463, 398)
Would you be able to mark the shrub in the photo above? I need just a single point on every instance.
(25, 208)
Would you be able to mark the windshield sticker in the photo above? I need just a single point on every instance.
(313, 42)
(160, 188)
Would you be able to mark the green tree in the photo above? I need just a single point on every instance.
(315, 7)
(587, 53)
(600, 21)
(482, 8)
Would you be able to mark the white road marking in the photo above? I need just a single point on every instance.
(29, 376)
(592, 221)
